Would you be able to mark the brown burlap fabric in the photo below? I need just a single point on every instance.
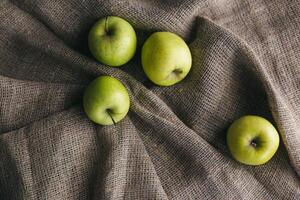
(246, 57)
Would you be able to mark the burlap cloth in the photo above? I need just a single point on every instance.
(246, 57)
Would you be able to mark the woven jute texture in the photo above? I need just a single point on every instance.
(172, 144)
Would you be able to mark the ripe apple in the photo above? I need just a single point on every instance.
(112, 41)
(252, 140)
(106, 100)
(166, 58)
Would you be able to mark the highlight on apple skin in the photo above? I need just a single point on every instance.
(166, 58)
(252, 140)
(106, 100)
(112, 41)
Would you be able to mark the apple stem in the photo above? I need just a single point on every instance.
(106, 25)
(108, 111)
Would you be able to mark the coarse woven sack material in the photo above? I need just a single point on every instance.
(172, 143)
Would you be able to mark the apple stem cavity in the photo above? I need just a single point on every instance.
(177, 71)
(109, 113)
(254, 143)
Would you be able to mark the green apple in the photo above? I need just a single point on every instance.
(106, 100)
(252, 140)
(166, 58)
(112, 41)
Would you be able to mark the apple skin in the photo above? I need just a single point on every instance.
(252, 140)
(106, 97)
(112, 41)
(166, 58)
